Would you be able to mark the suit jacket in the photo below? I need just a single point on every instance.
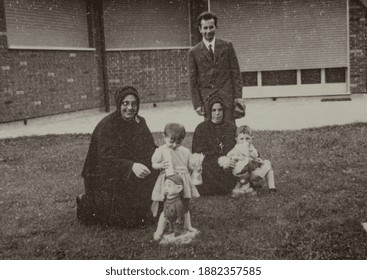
(221, 77)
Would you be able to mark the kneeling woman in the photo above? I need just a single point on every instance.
(215, 138)
(117, 172)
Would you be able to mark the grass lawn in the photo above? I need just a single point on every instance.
(316, 214)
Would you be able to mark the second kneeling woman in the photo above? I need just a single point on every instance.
(215, 138)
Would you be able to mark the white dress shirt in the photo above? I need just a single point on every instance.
(209, 43)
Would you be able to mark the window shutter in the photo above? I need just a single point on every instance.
(146, 23)
(281, 35)
(49, 23)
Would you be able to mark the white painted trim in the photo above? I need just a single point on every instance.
(299, 80)
(259, 79)
(323, 76)
(15, 47)
(208, 5)
(295, 90)
(148, 49)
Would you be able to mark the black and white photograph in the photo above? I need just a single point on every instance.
(183, 130)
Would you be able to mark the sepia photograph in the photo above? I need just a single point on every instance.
(183, 130)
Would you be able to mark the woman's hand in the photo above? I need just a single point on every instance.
(140, 170)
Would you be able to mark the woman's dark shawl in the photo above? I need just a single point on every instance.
(119, 196)
(214, 140)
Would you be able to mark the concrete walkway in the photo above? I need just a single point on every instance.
(262, 114)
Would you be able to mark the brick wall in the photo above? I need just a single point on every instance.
(37, 83)
(159, 75)
(358, 52)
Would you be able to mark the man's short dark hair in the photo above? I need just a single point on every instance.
(207, 16)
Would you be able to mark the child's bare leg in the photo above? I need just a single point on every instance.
(270, 179)
(160, 227)
(187, 216)
(187, 222)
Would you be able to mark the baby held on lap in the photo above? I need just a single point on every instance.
(250, 168)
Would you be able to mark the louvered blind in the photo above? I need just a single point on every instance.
(281, 35)
(47, 23)
(146, 23)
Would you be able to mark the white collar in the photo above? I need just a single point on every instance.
(209, 43)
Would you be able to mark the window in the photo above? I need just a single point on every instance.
(277, 78)
(249, 79)
(335, 75)
(311, 76)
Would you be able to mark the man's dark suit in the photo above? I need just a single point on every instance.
(207, 79)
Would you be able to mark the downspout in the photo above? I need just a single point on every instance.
(196, 8)
(101, 52)
(348, 49)
(3, 34)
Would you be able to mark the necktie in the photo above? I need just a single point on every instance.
(211, 53)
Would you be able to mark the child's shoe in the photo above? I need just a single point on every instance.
(272, 190)
(246, 189)
(251, 191)
(236, 192)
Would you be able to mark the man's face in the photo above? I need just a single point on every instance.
(129, 107)
(207, 29)
(217, 113)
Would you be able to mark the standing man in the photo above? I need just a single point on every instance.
(213, 70)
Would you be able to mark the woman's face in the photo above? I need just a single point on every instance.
(217, 113)
(129, 107)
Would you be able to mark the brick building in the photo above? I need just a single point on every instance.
(59, 56)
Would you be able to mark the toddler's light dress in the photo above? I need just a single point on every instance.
(180, 161)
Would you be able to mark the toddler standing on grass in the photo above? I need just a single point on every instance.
(172, 158)
(249, 162)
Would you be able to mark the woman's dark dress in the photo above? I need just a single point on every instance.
(214, 140)
(115, 195)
